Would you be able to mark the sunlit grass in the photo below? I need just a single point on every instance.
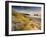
(25, 23)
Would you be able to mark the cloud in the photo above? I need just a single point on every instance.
(29, 10)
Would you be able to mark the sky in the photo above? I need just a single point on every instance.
(27, 9)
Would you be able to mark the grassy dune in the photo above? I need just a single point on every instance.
(21, 21)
